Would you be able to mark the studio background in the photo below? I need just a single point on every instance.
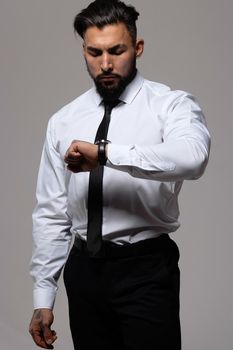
(188, 46)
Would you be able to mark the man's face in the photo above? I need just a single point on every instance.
(110, 56)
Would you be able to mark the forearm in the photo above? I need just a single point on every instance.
(48, 258)
(181, 154)
(171, 161)
(51, 224)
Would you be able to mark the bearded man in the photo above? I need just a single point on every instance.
(113, 164)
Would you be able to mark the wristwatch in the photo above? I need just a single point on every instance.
(102, 151)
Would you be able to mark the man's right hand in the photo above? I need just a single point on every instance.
(40, 330)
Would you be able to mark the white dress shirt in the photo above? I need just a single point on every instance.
(158, 139)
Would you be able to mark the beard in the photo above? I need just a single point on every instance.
(111, 89)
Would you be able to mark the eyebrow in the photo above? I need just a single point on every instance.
(111, 49)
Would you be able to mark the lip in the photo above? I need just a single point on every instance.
(108, 77)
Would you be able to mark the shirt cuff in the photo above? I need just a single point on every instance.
(44, 299)
(119, 154)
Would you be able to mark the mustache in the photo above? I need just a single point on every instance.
(107, 75)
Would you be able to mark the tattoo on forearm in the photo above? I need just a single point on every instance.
(37, 315)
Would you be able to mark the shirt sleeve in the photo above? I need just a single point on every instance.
(51, 224)
(182, 154)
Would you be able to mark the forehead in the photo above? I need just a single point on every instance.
(108, 36)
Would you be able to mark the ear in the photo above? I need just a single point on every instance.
(84, 51)
(139, 47)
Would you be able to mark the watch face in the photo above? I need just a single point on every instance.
(104, 141)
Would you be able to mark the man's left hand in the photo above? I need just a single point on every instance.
(81, 156)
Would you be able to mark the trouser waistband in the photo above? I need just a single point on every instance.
(113, 250)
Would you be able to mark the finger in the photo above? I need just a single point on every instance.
(54, 334)
(75, 162)
(73, 157)
(74, 169)
(49, 335)
(39, 340)
(72, 148)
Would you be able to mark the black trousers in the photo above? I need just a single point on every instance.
(126, 300)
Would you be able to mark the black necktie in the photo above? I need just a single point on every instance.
(95, 192)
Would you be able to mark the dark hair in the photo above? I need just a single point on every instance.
(103, 12)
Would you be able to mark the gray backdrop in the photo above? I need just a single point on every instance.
(188, 45)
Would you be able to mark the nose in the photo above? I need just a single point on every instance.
(106, 63)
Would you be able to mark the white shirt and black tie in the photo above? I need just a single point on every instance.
(158, 139)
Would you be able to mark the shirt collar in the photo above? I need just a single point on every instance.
(128, 95)
(131, 90)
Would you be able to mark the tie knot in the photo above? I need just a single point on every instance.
(109, 105)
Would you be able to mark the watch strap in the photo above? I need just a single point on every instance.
(102, 151)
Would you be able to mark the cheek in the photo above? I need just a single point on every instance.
(92, 66)
(125, 66)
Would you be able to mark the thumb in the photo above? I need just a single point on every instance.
(49, 336)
